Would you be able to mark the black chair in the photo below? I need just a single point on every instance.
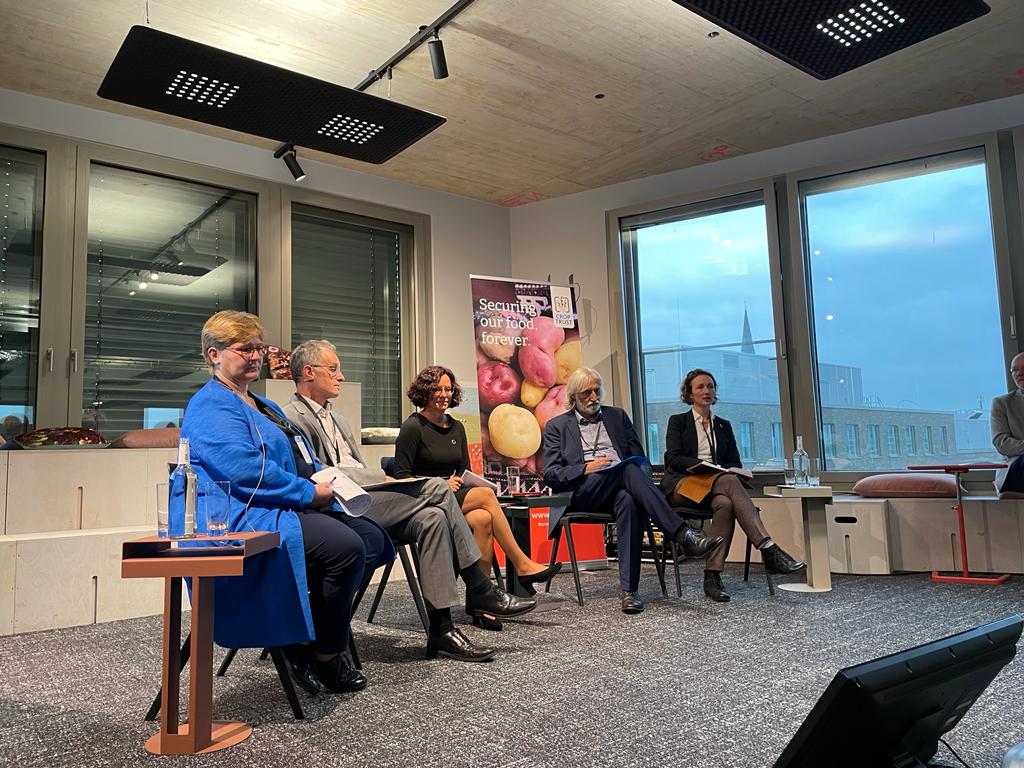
(694, 513)
(572, 517)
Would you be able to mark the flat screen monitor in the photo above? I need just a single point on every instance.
(893, 710)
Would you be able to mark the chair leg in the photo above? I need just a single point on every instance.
(264, 654)
(380, 587)
(554, 555)
(353, 651)
(746, 562)
(185, 653)
(412, 577)
(286, 682)
(497, 573)
(675, 564)
(228, 658)
(659, 564)
(575, 565)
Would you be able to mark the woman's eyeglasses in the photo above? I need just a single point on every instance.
(444, 391)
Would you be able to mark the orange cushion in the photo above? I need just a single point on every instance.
(907, 485)
(160, 437)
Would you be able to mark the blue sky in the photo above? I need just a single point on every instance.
(903, 280)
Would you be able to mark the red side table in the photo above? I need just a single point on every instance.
(964, 577)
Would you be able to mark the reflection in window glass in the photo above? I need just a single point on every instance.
(164, 255)
(703, 293)
(21, 208)
(346, 289)
(902, 273)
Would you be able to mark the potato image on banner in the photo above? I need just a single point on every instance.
(531, 394)
(568, 358)
(513, 431)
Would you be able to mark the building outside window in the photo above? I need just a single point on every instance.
(777, 452)
(870, 234)
(944, 440)
(703, 298)
(874, 441)
(910, 440)
(745, 438)
(851, 433)
(926, 441)
(828, 442)
(892, 439)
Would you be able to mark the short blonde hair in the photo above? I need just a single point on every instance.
(578, 381)
(226, 328)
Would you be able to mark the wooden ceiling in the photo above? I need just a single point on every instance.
(523, 120)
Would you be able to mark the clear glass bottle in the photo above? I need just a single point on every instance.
(185, 482)
(800, 461)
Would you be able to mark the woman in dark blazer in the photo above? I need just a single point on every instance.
(697, 436)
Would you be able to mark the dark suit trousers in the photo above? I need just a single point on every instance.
(630, 494)
(341, 554)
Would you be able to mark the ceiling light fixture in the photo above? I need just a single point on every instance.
(429, 34)
(180, 77)
(437, 60)
(286, 152)
(826, 38)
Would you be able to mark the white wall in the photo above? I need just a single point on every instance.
(568, 235)
(467, 236)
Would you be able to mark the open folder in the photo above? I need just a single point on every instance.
(353, 499)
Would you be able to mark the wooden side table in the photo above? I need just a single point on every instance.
(964, 577)
(153, 557)
(813, 500)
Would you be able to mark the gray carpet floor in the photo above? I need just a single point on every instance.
(686, 683)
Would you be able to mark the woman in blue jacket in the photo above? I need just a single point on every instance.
(244, 439)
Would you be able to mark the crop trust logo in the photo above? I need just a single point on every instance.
(561, 307)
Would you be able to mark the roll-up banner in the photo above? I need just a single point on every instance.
(527, 343)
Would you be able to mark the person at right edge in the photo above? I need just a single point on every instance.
(1007, 422)
(697, 436)
(585, 452)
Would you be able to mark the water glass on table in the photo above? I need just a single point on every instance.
(790, 472)
(512, 474)
(163, 510)
(217, 501)
(813, 478)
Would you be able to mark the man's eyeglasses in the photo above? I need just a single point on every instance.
(592, 391)
(331, 369)
(250, 351)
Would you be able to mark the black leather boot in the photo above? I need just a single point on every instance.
(713, 587)
(776, 560)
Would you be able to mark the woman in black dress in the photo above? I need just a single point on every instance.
(433, 444)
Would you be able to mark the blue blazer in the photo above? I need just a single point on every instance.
(564, 468)
(681, 448)
(269, 605)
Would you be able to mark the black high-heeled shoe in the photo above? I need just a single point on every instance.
(541, 576)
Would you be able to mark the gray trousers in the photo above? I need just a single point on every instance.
(426, 513)
(731, 504)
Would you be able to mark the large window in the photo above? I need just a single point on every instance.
(905, 314)
(164, 255)
(346, 275)
(703, 300)
(21, 202)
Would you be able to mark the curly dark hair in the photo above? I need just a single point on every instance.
(686, 388)
(426, 383)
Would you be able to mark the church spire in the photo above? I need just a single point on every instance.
(747, 345)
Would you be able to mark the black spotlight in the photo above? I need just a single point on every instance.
(287, 153)
(437, 60)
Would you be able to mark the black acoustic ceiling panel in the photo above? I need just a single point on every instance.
(176, 76)
(826, 38)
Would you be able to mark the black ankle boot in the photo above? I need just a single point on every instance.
(776, 560)
(713, 587)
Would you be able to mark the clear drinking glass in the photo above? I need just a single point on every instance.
(217, 503)
(163, 510)
(512, 475)
(790, 472)
(813, 479)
